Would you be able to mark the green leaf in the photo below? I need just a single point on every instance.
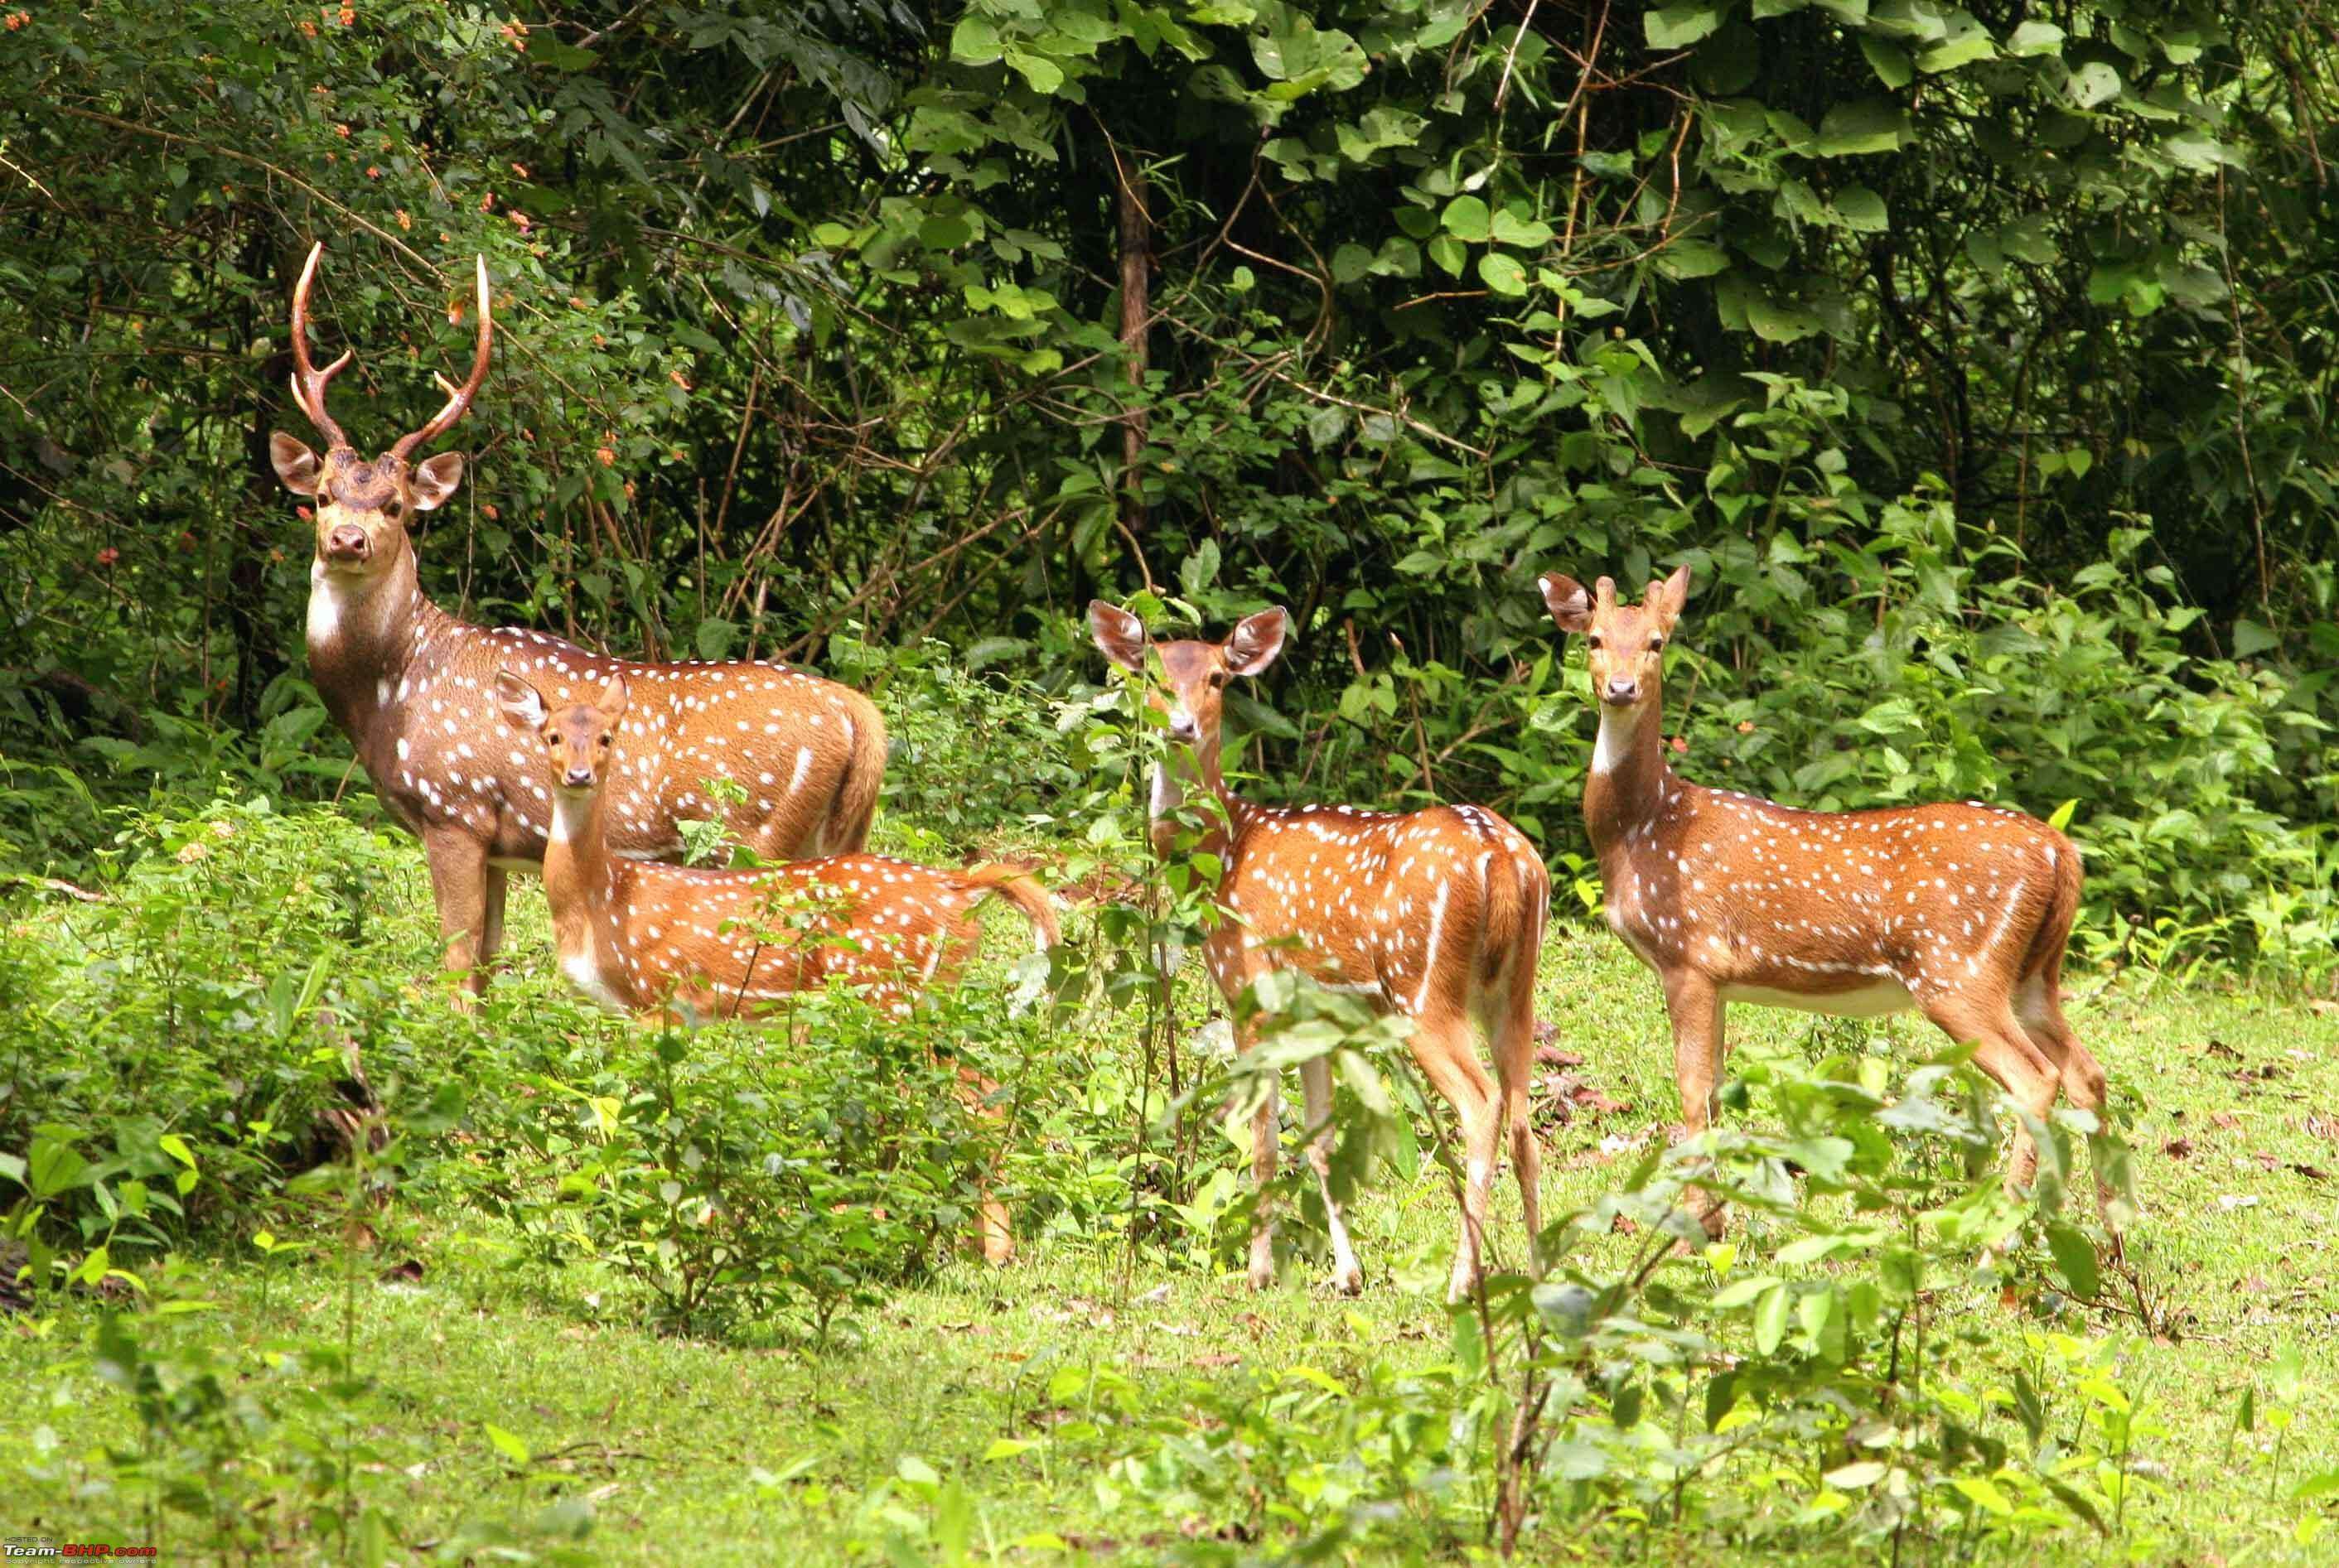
(1008, 1447)
(1968, 40)
(1503, 274)
(2092, 83)
(2062, 817)
(506, 1443)
(1866, 125)
(1857, 1476)
(171, 1144)
(1771, 1319)
(1862, 210)
(1983, 1493)
(1466, 218)
(1448, 252)
(2074, 1257)
(2251, 638)
(1888, 61)
(1678, 26)
(1692, 259)
(1045, 75)
(2035, 37)
(1528, 234)
(975, 41)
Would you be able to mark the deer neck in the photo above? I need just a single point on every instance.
(578, 881)
(1179, 771)
(360, 635)
(1629, 779)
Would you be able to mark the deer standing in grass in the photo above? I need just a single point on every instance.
(1433, 915)
(411, 685)
(701, 944)
(1960, 911)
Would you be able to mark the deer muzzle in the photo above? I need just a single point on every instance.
(348, 543)
(1621, 693)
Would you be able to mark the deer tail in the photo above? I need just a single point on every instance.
(846, 830)
(2045, 953)
(1022, 889)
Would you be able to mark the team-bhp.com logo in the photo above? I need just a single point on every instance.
(24, 1547)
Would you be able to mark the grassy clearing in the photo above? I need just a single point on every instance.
(615, 1442)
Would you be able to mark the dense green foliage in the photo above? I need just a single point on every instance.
(920, 324)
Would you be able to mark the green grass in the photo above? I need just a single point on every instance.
(688, 1450)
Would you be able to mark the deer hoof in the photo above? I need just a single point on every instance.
(1348, 1282)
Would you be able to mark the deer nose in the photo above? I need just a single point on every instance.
(1623, 690)
(348, 543)
(1182, 727)
(577, 777)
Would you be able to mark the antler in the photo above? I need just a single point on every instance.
(308, 382)
(461, 399)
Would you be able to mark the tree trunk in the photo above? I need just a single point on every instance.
(1136, 310)
(252, 532)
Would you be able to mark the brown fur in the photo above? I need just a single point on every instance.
(1433, 915)
(1959, 910)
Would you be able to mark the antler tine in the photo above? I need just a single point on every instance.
(308, 382)
(461, 399)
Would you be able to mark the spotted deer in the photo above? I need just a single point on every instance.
(411, 685)
(1959, 911)
(700, 945)
(1433, 915)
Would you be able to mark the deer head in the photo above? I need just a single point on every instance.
(576, 738)
(364, 504)
(1192, 694)
(1625, 644)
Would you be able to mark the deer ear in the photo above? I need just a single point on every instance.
(523, 705)
(1569, 604)
(1671, 595)
(1257, 640)
(613, 698)
(435, 480)
(1120, 635)
(294, 463)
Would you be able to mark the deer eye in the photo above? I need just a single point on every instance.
(1591, 640)
(1656, 644)
(1217, 679)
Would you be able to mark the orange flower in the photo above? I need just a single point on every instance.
(108, 556)
(308, 28)
(487, 510)
(608, 458)
(349, 15)
(404, 220)
(488, 203)
(373, 171)
(1681, 743)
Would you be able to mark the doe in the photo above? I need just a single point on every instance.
(1961, 911)
(1433, 915)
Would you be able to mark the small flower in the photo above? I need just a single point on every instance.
(373, 171)
(308, 28)
(108, 556)
(576, 303)
(520, 219)
(1681, 743)
(404, 220)
(341, 131)
(189, 853)
(303, 513)
(487, 510)
(1746, 726)
(488, 203)
(521, 170)
(629, 490)
(608, 457)
(678, 378)
(18, 19)
(349, 15)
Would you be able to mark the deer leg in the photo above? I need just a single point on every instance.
(2040, 1009)
(1511, 1032)
(1449, 1060)
(1316, 1081)
(492, 925)
(459, 883)
(1695, 1008)
(2005, 1051)
(1266, 1136)
(994, 1232)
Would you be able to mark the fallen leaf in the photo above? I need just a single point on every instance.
(2311, 1172)
(1552, 1056)
(1159, 1292)
(407, 1272)
(2325, 1127)
(2227, 1119)
(1217, 1358)
(1624, 1225)
(2219, 1048)
(2177, 1148)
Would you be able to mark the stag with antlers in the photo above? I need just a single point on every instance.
(413, 689)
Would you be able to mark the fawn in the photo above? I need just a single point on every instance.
(642, 937)
(1436, 915)
(1961, 911)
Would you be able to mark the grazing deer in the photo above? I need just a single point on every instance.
(1433, 915)
(1961, 911)
(697, 943)
(410, 684)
